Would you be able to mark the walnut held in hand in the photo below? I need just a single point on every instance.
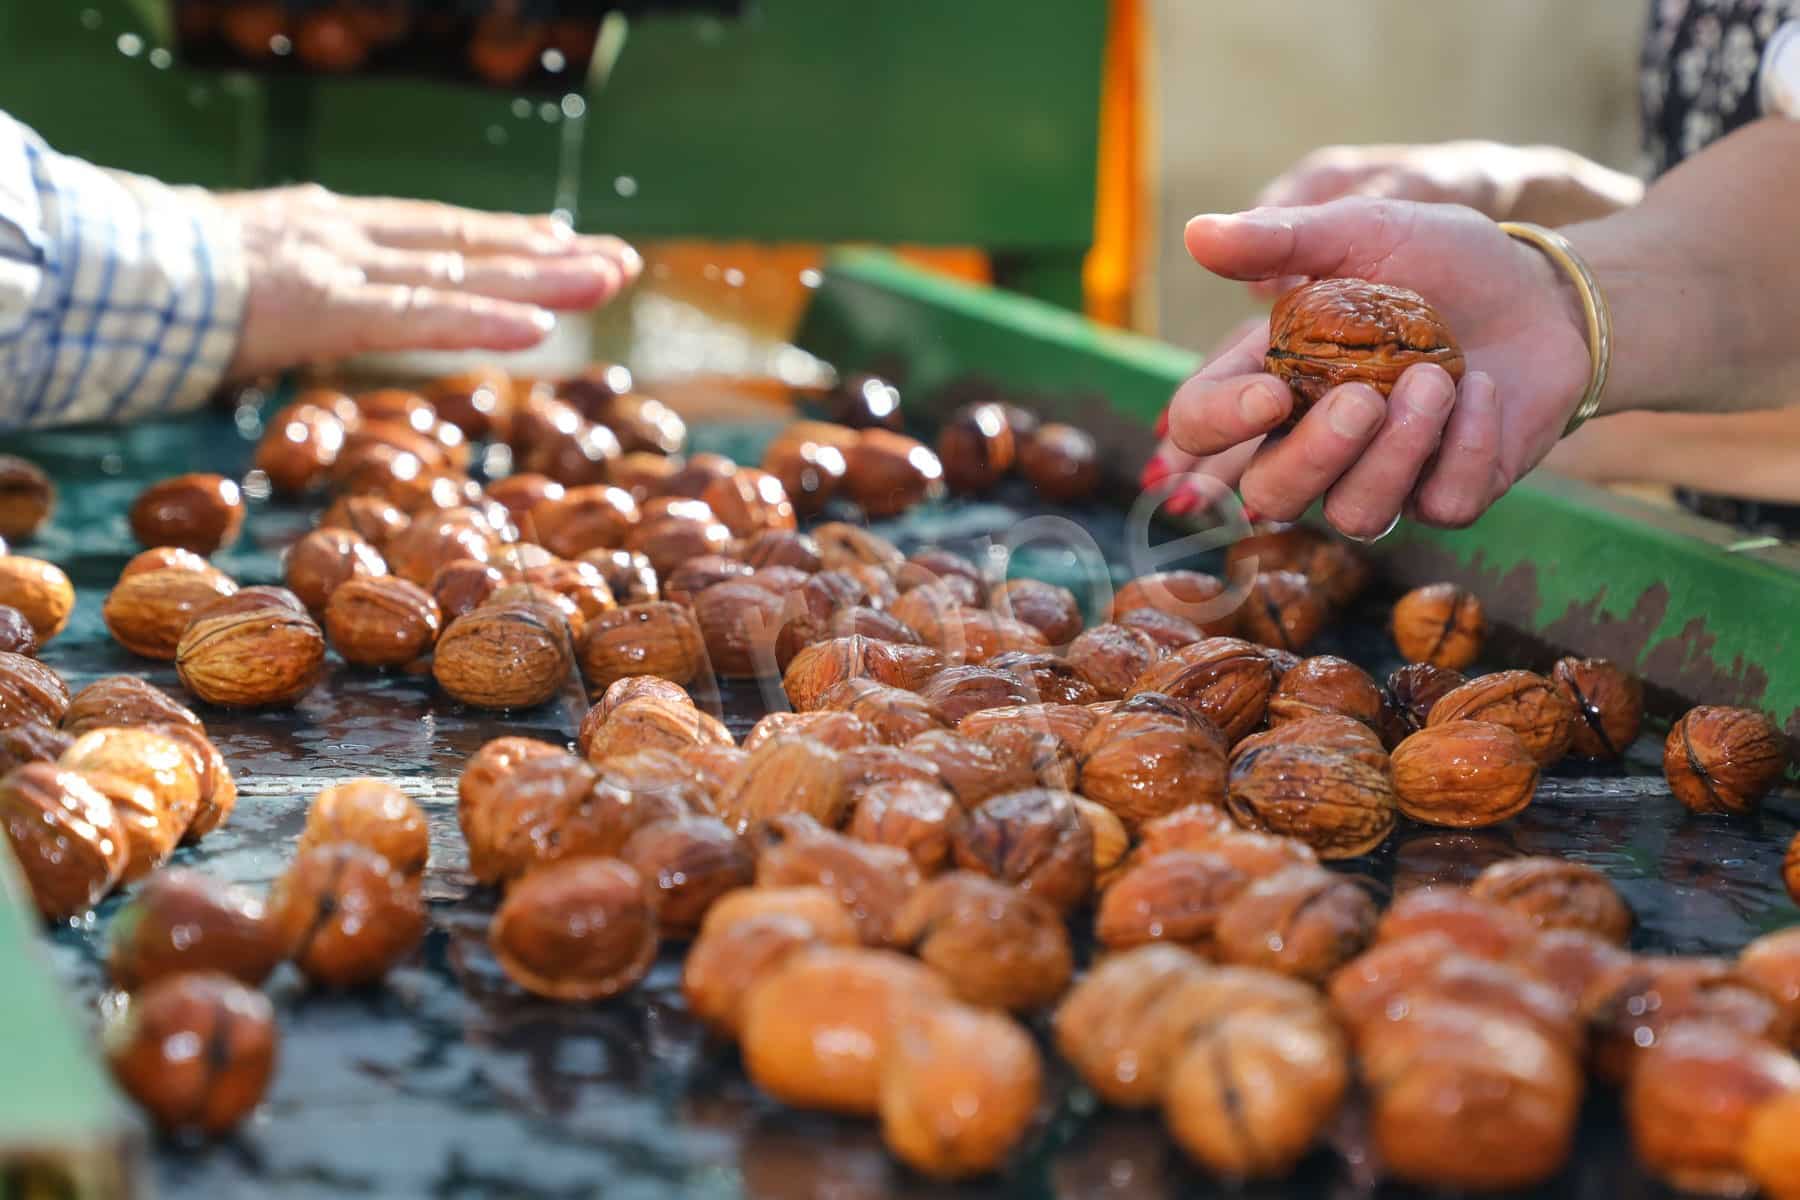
(577, 930)
(1720, 759)
(1337, 331)
(202, 513)
(195, 1050)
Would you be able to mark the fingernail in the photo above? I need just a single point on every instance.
(632, 261)
(543, 320)
(1162, 424)
(1427, 392)
(1155, 472)
(1251, 515)
(1356, 412)
(1184, 501)
(1259, 405)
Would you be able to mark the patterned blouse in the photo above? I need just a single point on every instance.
(1699, 71)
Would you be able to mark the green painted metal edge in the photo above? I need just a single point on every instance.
(59, 1119)
(1574, 567)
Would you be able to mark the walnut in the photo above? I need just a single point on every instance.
(894, 715)
(1439, 624)
(1528, 704)
(1282, 610)
(1556, 894)
(976, 448)
(646, 723)
(1303, 921)
(432, 541)
(580, 930)
(1067, 723)
(653, 638)
(1062, 463)
(1334, 568)
(1720, 759)
(808, 458)
(181, 921)
(1609, 703)
(872, 881)
(738, 623)
(30, 691)
(369, 517)
(1229, 680)
(1639, 1004)
(968, 767)
(997, 945)
(1175, 897)
(1192, 597)
(345, 916)
(1048, 677)
(887, 473)
(152, 782)
(1464, 774)
(788, 775)
(149, 611)
(1325, 684)
(268, 656)
(1033, 839)
(503, 655)
(1142, 765)
(580, 583)
(959, 1090)
(382, 621)
(202, 513)
(1691, 1102)
(1399, 980)
(68, 839)
(960, 691)
(372, 814)
(729, 958)
(1111, 657)
(1569, 960)
(1409, 696)
(1053, 611)
(1339, 805)
(30, 742)
(842, 546)
(1477, 926)
(749, 501)
(27, 497)
(1248, 1097)
(149, 1048)
(914, 815)
(1337, 331)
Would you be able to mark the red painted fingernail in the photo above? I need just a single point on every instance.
(1184, 501)
(1162, 424)
(1251, 515)
(1154, 473)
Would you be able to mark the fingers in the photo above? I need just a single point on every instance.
(1467, 476)
(382, 316)
(1289, 474)
(1367, 498)
(1212, 480)
(1230, 400)
(558, 283)
(427, 225)
(1345, 237)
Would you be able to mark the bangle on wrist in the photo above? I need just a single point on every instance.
(1557, 249)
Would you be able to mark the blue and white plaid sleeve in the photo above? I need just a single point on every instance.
(120, 297)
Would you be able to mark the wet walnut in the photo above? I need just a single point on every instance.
(16, 634)
(1529, 705)
(30, 691)
(913, 815)
(647, 722)
(1340, 805)
(263, 657)
(976, 447)
(959, 1090)
(1609, 705)
(1228, 680)
(686, 864)
(730, 958)
(382, 621)
(66, 837)
(971, 769)
(30, 742)
(1111, 657)
(1721, 759)
(871, 881)
(788, 775)
(887, 473)
(152, 782)
(151, 1043)
(817, 1029)
(344, 916)
(1062, 463)
(1193, 597)
(1638, 1004)
(1553, 893)
(326, 558)
(998, 946)
(1770, 1153)
(1464, 774)
(1439, 624)
(27, 497)
(1032, 839)
(809, 461)
(1465, 1098)
(1322, 685)
(1248, 1097)
(1141, 765)
(1053, 611)
(749, 501)
(218, 790)
(893, 715)
(653, 638)
(376, 520)
(629, 576)
(1477, 926)
(505, 777)
(1408, 699)
(1333, 567)
(738, 623)
(1174, 897)
(181, 921)
(960, 691)
(504, 655)
(1399, 980)
(1283, 610)
(202, 513)
(1691, 1102)
(148, 612)
(839, 730)
(372, 814)
(1303, 921)
(579, 930)
(1337, 331)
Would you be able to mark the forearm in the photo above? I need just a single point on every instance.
(1563, 188)
(1703, 279)
(1749, 455)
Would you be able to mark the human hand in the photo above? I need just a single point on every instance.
(1440, 451)
(331, 276)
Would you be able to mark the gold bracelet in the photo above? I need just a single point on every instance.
(1557, 249)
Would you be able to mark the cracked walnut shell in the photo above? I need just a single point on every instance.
(1337, 331)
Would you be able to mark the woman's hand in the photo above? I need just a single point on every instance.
(1442, 452)
(330, 276)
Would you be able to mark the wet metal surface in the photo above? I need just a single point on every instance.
(449, 1082)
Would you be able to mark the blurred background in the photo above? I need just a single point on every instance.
(1054, 147)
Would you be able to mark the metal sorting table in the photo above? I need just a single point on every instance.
(450, 1082)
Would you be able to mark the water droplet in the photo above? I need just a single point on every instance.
(281, 45)
(90, 18)
(161, 59)
(574, 107)
(496, 136)
(734, 277)
(521, 108)
(564, 216)
(811, 278)
(625, 185)
(710, 271)
(553, 60)
(130, 45)
(111, 464)
(549, 112)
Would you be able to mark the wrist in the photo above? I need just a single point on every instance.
(1575, 360)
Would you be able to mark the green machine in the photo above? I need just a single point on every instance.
(803, 120)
